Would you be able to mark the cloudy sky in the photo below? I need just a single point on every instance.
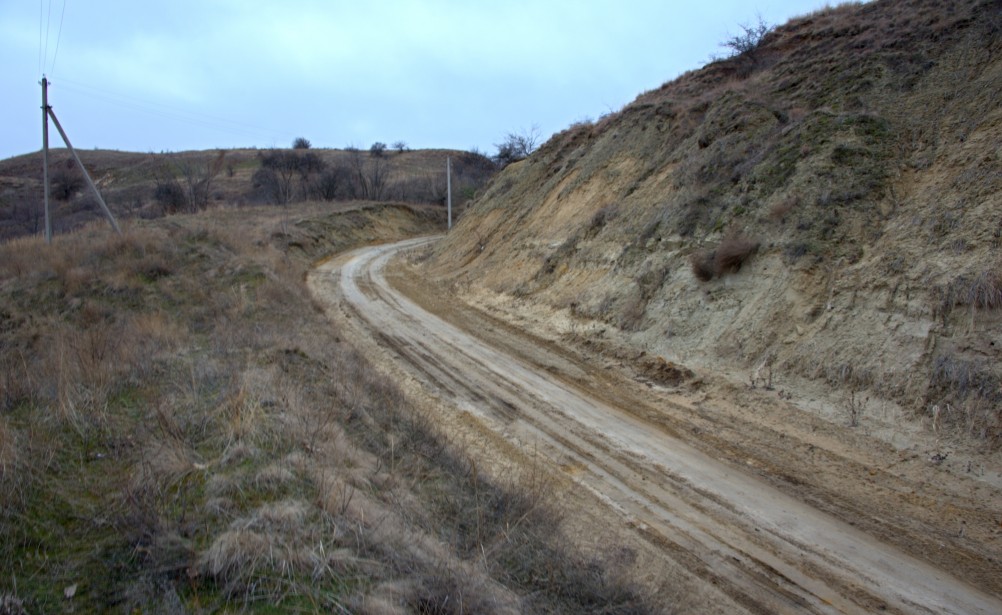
(171, 75)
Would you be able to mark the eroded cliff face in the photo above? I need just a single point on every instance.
(827, 207)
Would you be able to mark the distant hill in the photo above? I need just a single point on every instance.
(150, 185)
(825, 207)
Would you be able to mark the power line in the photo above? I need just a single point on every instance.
(41, 20)
(59, 37)
(48, 27)
(166, 111)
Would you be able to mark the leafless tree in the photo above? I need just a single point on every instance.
(517, 146)
(184, 183)
(369, 177)
(749, 40)
(276, 176)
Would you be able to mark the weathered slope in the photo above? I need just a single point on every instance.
(857, 148)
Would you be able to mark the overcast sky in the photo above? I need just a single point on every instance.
(172, 75)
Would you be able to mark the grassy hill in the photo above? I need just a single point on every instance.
(151, 185)
(825, 207)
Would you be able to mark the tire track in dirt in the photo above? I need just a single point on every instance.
(769, 551)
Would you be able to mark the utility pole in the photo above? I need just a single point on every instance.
(45, 155)
(48, 112)
(448, 188)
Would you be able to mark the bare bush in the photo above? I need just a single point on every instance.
(749, 40)
(732, 252)
(182, 183)
(728, 257)
(65, 182)
(965, 396)
(517, 146)
(985, 292)
(702, 263)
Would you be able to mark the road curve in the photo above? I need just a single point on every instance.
(769, 551)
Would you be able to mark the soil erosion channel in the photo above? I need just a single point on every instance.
(777, 552)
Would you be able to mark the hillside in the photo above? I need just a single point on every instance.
(821, 215)
(149, 185)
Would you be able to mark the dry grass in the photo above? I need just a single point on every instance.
(965, 396)
(167, 435)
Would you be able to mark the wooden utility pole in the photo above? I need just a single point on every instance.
(448, 188)
(45, 155)
(90, 183)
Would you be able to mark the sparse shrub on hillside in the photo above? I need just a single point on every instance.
(301, 143)
(985, 292)
(702, 265)
(169, 194)
(728, 257)
(280, 170)
(378, 149)
(184, 183)
(732, 252)
(965, 395)
(65, 182)
(517, 146)
(982, 291)
(601, 217)
(400, 146)
(329, 185)
(749, 40)
(779, 210)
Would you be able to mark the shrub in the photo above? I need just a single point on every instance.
(65, 183)
(517, 146)
(378, 149)
(985, 291)
(702, 265)
(301, 143)
(732, 252)
(749, 40)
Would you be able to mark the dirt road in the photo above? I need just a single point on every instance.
(769, 551)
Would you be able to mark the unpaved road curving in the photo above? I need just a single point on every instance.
(765, 548)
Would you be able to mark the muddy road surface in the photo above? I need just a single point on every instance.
(763, 546)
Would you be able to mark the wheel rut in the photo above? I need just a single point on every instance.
(770, 552)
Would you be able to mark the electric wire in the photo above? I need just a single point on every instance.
(41, 20)
(59, 36)
(48, 27)
(160, 110)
